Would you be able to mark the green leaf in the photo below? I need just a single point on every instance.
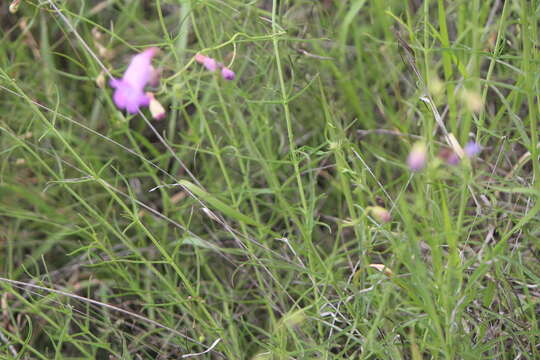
(216, 203)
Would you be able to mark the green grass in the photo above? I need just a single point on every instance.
(240, 224)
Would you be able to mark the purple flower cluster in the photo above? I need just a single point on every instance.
(212, 65)
(418, 157)
(129, 93)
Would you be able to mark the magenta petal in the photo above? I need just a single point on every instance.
(136, 101)
(129, 91)
(144, 100)
(128, 97)
(227, 73)
(210, 64)
(114, 83)
(119, 99)
(140, 69)
(132, 108)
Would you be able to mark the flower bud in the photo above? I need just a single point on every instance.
(417, 158)
(156, 109)
(100, 80)
(14, 6)
(227, 73)
(380, 214)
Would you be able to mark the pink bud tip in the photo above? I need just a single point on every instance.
(200, 58)
(151, 52)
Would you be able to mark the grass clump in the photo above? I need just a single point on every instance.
(272, 216)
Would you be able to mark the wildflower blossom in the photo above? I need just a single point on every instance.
(129, 90)
(417, 158)
(209, 63)
(212, 65)
(227, 73)
(472, 149)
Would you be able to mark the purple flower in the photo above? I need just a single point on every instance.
(227, 73)
(212, 65)
(417, 158)
(129, 91)
(472, 149)
(209, 63)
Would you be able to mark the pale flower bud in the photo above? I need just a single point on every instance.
(14, 6)
(100, 80)
(417, 158)
(156, 109)
(380, 214)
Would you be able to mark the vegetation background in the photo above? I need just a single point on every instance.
(241, 225)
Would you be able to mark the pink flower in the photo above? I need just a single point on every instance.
(208, 62)
(129, 91)
(417, 158)
(227, 73)
(212, 65)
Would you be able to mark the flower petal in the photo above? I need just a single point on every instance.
(129, 91)
(227, 73)
(417, 158)
(472, 149)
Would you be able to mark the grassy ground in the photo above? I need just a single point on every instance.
(240, 224)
